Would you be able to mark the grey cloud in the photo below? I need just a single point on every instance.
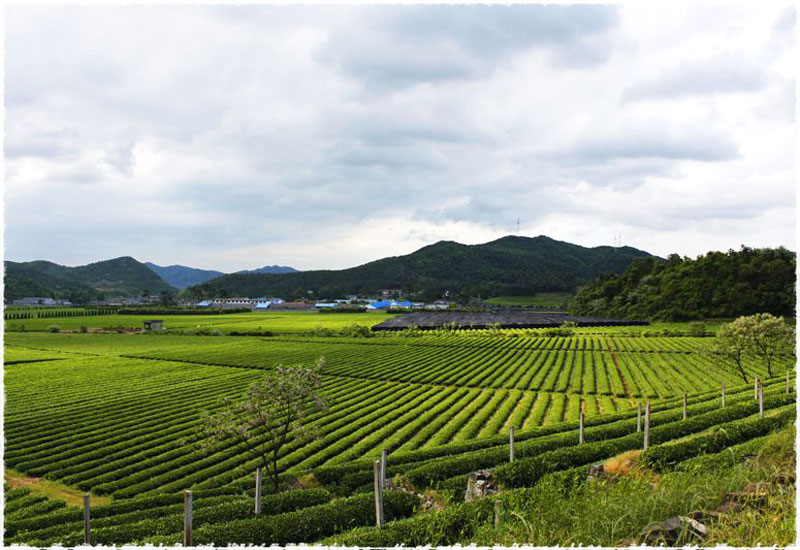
(403, 45)
(649, 145)
(720, 74)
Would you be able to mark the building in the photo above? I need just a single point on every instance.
(33, 301)
(154, 324)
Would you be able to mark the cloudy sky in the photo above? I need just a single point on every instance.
(233, 137)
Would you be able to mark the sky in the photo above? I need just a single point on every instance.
(231, 137)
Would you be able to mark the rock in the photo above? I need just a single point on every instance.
(480, 484)
(675, 531)
(705, 516)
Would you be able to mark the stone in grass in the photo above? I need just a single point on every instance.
(480, 484)
(675, 531)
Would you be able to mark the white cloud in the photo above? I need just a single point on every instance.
(233, 137)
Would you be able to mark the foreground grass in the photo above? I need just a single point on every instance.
(614, 512)
(51, 489)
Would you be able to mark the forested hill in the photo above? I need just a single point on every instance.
(118, 277)
(510, 265)
(718, 284)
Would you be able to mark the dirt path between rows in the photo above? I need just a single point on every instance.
(51, 489)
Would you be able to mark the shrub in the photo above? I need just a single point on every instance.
(54, 328)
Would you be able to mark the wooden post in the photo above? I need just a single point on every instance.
(580, 429)
(639, 417)
(498, 510)
(511, 444)
(258, 491)
(723, 394)
(761, 400)
(187, 518)
(685, 411)
(646, 425)
(383, 467)
(376, 467)
(755, 388)
(87, 535)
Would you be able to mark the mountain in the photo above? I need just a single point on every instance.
(181, 276)
(716, 285)
(271, 269)
(510, 265)
(118, 277)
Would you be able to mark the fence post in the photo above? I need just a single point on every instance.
(755, 388)
(723, 394)
(646, 425)
(638, 417)
(498, 510)
(511, 444)
(580, 429)
(685, 411)
(376, 467)
(87, 535)
(761, 400)
(187, 518)
(258, 491)
(383, 467)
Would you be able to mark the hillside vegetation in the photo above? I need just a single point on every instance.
(118, 277)
(507, 266)
(718, 284)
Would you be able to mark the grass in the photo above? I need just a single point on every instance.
(614, 512)
(51, 489)
(276, 322)
(543, 299)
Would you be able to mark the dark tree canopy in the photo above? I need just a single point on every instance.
(718, 284)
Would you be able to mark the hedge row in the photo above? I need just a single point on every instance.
(305, 525)
(666, 456)
(450, 526)
(430, 472)
(67, 515)
(398, 462)
(528, 471)
(168, 520)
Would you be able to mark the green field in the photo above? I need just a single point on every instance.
(543, 299)
(280, 322)
(118, 415)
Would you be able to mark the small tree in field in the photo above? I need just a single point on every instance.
(732, 344)
(272, 411)
(769, 337)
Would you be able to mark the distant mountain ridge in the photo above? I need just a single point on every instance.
(122, 276)
(511, 265)
(270, 269)
(181, 276)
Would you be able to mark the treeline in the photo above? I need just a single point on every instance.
(53, 314)
(181, 311)
(718, 284)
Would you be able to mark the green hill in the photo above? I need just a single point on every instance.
(716, 285)
(508, 266)
(118, 277)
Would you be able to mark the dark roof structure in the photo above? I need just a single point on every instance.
(429, 320)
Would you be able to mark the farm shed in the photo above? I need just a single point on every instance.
(154, 324)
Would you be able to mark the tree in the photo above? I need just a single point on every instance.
(732, 344)
(272, 411)
(768, 337)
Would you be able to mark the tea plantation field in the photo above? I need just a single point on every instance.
(118, 415)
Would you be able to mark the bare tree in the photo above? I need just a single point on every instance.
(272, 411)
